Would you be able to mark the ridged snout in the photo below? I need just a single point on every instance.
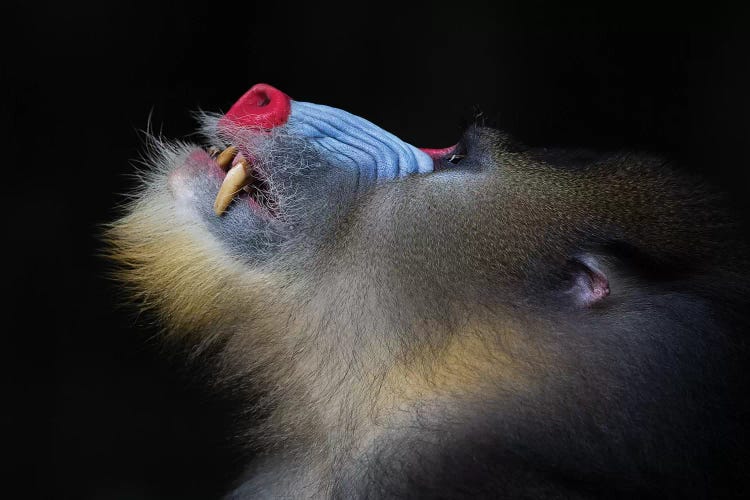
(344, 139)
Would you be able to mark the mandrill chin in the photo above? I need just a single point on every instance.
(485, 320)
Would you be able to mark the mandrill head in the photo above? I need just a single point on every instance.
(481, 320)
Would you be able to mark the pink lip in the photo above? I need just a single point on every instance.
(436, 154)
(199, 161)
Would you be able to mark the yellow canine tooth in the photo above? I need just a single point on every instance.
(237, 178)
(225, 157)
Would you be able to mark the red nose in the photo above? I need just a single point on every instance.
(261, 107)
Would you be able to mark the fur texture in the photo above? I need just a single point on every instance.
(419, 338)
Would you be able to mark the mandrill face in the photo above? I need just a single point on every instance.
(481, 320)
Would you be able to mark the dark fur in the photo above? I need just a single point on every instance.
(422, 337)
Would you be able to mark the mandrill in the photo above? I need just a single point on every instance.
(482, 321)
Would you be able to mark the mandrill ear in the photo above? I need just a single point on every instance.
(588, 284)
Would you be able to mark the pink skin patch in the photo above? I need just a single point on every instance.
(436, 154)
(198, 162)
(200, 159)
(261, 107)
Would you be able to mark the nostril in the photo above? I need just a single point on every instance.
(263, 106)
(262, 98)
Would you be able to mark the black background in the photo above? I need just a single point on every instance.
(93, 407)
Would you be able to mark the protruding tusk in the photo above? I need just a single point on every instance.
(237, 177)
(225, 157)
